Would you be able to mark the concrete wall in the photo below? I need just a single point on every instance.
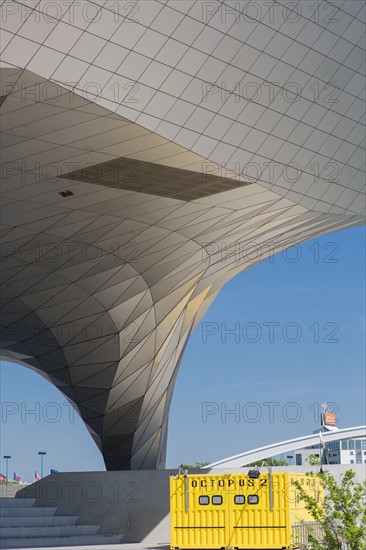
(134, 503)
(10, 490)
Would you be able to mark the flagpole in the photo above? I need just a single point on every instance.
(321, 451)
(42, 453)
(7, 457)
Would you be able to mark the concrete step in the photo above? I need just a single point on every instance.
(76, 540)
(49, 531)
(37, 521)
(17, 502)
(24, 525)
(38, 511)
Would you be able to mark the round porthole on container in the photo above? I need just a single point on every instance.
(204, 500)
(239, 499)
(253, 499)
(217, 499)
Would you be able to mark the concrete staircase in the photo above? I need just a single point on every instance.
(23, 525)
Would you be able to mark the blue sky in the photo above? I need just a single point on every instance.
(297, 340)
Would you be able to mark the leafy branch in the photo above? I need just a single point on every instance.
(341, 514)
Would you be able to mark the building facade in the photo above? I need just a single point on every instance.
(148, 147)
(348, 451)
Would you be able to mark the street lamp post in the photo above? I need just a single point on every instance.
(7, 457)
(42, 454)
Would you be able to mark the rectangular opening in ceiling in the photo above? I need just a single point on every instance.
(155, 179)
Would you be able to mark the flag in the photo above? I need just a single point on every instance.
(36, 476)
(321, 439)
(2, 478)
(16, 477)
(53, 471)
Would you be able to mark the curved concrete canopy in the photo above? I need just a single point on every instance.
(274, 449)
(120, 223)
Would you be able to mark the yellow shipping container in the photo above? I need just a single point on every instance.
(240, 511)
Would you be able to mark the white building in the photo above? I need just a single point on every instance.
(348, 451)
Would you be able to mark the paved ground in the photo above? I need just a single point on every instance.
(132, 546)
(137, 546)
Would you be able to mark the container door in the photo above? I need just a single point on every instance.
(199, 521)
(254, 524)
